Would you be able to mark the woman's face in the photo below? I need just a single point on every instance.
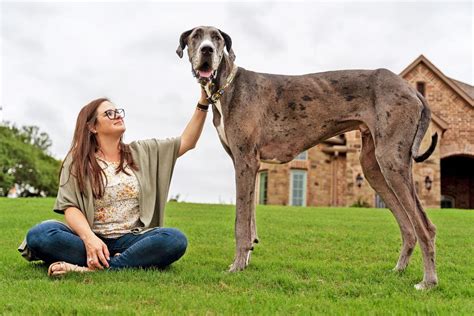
(109, 120)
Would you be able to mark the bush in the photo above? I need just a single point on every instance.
(360, 203)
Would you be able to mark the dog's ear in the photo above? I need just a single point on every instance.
(228, 44)
(183, 41)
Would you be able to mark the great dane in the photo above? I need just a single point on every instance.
(271, 118)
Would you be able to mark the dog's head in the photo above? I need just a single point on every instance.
(205, 50)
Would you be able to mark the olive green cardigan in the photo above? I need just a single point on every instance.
(155, 160)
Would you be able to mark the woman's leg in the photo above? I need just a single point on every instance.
(54, 241)
(159, 247)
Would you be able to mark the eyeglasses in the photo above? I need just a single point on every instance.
(115, 114)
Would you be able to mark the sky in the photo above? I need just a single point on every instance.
(58, 56)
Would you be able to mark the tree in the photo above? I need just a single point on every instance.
(24, 160)
(33, 136)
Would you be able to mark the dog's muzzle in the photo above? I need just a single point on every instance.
(203, 77)
(204, 72)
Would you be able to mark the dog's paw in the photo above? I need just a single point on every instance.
(240, 262)
(423, 285)
(398, 269)
(236, 268)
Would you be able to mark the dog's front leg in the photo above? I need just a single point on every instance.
(245, 175)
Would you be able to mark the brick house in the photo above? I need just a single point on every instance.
(330, 174)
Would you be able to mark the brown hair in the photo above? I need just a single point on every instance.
(84, 146)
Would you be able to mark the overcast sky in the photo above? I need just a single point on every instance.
(58, 56)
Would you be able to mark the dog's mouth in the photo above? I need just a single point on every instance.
(204, 71)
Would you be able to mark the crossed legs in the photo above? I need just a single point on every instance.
(54, 241)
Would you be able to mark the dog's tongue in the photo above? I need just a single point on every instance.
(205, 74)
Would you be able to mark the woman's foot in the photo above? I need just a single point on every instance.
(61, 268)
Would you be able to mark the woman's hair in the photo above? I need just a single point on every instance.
(84, 146)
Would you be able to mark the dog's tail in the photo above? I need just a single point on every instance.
(420, 132)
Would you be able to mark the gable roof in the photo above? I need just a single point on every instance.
(466, 87)
(464, 90)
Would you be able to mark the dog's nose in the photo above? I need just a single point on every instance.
(207, 50)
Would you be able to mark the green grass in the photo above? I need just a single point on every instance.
(309, 261)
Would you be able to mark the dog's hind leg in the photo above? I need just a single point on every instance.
(396, 169)
(376, 180)
(245, 174)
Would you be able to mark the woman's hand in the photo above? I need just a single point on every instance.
(97, 252)
(203, 98)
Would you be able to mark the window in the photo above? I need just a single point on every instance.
(302, 156)
(379, 203)
(298, 188)
(420, 86)
(262, 198)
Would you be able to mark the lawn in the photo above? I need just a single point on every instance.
(309, 261)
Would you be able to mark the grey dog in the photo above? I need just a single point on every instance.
(272, 118)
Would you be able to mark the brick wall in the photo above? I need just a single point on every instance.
(364, 193)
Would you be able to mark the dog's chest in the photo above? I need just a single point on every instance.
(220, 124)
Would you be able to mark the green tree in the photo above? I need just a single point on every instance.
(24, 159)
(33, 136)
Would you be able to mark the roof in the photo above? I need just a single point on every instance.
(439, 121)
(466, 87)
(464, 90)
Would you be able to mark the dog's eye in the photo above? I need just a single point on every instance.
(216, 37)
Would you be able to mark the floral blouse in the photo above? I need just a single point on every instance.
(117, 212)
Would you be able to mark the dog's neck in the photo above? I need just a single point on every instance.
(221, 86)
(224, 70)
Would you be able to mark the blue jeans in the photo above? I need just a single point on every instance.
(54, 241)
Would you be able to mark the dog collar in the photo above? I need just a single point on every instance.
(214, 97)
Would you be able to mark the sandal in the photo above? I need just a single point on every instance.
(65, 268)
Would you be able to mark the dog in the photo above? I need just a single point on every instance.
(263, 117)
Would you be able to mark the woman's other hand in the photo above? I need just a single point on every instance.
(97, 252)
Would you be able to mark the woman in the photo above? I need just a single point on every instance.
(113, 196)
